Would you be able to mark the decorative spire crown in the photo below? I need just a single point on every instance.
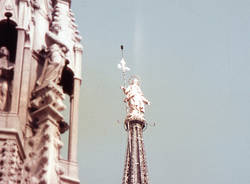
(135, 171)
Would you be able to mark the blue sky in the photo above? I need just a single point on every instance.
(193, 57)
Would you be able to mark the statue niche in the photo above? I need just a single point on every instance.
(6, 77)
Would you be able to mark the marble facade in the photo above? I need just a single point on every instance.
(40, 63)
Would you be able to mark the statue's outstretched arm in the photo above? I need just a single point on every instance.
(123, 89)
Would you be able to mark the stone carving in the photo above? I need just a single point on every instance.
(10, 162)
(63, 31)
(63, 23)
(47, 123)
(42, 165)
(48, 100)
(135, 100)
(6, 76)
(54, 63)
(35, 4)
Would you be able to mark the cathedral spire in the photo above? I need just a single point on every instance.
(135, 171)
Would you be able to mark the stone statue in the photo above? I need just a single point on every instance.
(53, 67)
(135, 100)
(6, 76)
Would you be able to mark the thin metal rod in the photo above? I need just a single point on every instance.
(122, 49)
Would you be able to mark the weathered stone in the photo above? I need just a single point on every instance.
(40, 63)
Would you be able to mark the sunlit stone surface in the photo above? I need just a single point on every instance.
(40, 63)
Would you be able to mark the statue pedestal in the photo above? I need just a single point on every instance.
(135, 171)
(134, 120)
(47, 102)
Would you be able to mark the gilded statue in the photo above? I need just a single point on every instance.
(135, 100)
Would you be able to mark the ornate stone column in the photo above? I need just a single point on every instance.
(42, 164)
(24, 18)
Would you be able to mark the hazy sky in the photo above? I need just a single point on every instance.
(193, 57)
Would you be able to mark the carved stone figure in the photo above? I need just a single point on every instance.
(135, 100)
(6, 75)
(53, 67)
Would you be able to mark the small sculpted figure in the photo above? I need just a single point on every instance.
(54, 64)
(6, 75)
(135, 100)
